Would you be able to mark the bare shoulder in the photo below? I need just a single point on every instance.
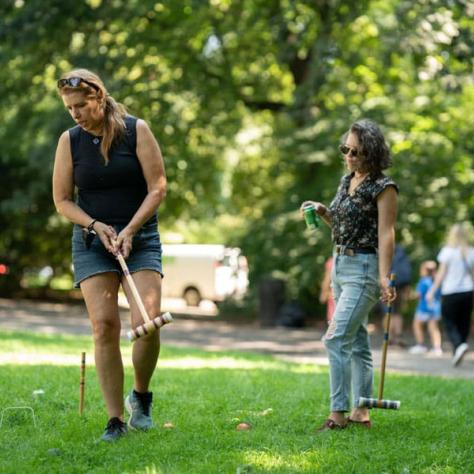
(64, 138)
(145, 137)
(143, 128)
(64, 146)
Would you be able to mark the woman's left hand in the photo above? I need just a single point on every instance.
(389, 293)
(123, 243)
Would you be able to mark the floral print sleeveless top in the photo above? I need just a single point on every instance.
(355, 217)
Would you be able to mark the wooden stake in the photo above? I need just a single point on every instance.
(82, 383)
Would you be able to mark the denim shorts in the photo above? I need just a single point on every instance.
(145, 254)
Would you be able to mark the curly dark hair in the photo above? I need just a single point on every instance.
(375, 153)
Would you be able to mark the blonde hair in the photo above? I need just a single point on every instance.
(114, 112)
(458, 237)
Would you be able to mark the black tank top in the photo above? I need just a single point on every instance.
(110, 193)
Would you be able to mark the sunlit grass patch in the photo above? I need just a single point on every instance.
(204, 396)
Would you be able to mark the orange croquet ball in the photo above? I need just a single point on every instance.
(243, 427)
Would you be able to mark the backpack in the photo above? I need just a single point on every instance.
(401, 266)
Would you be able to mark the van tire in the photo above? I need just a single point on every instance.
(192, 297)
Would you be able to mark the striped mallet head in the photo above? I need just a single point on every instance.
(149, 326)
(376, 403)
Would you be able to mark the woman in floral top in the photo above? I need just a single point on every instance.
(362, 218)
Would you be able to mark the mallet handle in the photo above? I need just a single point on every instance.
(385, 341)
(131, 283)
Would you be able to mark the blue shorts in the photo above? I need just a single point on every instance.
(145, 254)
(425, 317)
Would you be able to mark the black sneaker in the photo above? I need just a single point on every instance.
(114, 430)
(139, 406)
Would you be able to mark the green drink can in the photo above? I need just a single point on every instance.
(310, 216)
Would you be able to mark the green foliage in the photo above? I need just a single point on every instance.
(205, 395)
(248, 99)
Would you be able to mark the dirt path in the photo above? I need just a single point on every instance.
(302, 345)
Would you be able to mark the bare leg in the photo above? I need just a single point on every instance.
(146, 349)
(100, 294)
(418, 331)
(435, 334)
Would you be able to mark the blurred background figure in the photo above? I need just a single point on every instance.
(456, 279)
(401, 266)
(427, 313)
(325, 295)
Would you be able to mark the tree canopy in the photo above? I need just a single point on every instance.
(248, 99)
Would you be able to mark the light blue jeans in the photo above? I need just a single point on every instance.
(356, 289)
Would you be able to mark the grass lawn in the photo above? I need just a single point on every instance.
(205, 395)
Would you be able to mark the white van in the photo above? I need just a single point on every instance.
(196, 272)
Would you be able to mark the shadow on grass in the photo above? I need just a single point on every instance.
(44, 341)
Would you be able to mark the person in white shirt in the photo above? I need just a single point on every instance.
(455, 276)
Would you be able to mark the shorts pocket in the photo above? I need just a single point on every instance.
(146, 238)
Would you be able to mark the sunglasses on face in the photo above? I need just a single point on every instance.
(347, 150)
(75, 82)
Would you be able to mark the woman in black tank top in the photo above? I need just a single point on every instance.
(114, 164)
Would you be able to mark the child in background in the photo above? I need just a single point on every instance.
(427, 313)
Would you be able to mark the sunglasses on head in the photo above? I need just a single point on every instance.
(347, 150)
(75, 82)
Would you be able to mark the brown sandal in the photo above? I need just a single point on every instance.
(330, 425)
(366, 424)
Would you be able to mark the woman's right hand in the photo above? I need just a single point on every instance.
(320, 208)
(107, 235)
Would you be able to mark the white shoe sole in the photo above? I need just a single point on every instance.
(128, 407)
(457, 359)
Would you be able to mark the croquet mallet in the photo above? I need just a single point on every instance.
(149, 325)
(379, 402)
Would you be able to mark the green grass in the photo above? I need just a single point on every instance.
(205, 395)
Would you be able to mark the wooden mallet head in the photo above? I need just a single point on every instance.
(149, 325)
(376, 403)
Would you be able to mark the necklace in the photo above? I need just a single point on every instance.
(361, 177)
(355, 181)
